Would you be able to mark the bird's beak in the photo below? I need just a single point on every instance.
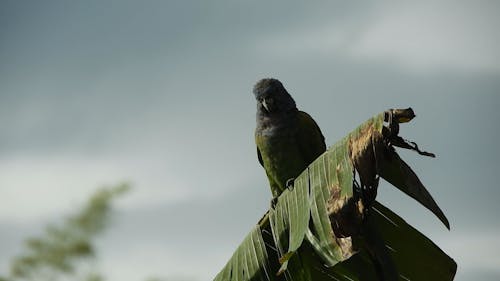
(268, 104)
(265, 105)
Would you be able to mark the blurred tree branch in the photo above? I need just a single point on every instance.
(60, 249)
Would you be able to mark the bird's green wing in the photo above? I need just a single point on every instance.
(310, 140)
(276, 189)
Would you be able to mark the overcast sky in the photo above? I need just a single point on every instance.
(158, 93)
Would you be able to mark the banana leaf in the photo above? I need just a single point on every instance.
(321, 229)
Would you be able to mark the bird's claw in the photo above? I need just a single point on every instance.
(274, 201)
(289, 183)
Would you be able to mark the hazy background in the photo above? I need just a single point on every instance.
(158, 93)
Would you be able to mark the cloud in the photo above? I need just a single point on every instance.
(426, 35)
(416, 35)
(34, 188)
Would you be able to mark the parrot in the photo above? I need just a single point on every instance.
(287, 139)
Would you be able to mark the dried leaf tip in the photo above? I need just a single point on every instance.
(399, 115)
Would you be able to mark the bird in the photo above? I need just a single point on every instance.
(287, 139)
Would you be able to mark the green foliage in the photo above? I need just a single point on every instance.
(380, 244)
(60, 249)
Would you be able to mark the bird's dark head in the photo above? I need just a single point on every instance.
(272, 97)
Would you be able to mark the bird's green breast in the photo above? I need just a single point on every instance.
(281, 157)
